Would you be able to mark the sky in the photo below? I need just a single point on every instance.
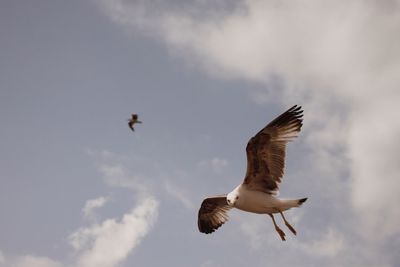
(79, 189)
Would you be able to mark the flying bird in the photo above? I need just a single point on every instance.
(133, 120)
(265, 167)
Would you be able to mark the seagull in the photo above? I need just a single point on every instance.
(133, 120)
(265, 167)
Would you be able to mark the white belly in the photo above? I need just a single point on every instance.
(259, 202)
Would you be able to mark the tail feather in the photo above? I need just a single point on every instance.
(292, 203)
(301, 201)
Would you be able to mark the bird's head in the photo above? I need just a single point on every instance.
(232, 197)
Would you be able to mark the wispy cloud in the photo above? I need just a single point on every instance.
(92, 204)
(109, 243)
(216, 164)
(210, 263)
(180, 193)
(115, 172)
(31, 260)
(106, 244)
(329, 245)
(172, 182)
(2, 259)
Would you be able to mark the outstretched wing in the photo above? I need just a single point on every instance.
(267, 149)
(213, 214)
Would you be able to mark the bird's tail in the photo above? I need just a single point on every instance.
(292, 203)
(301, 201)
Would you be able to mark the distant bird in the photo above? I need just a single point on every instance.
(133, 120)
(265, 167)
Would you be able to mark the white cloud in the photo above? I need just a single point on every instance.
(102, 154)
(34, 261)
(251, 225)
(216, 164)
(210, 263)
(339, 58)
(2, 258)
(92, 204)
(109, 243)
(375, 154)
(329, 245)
(117, 175)
(251, 229)
(180, 193)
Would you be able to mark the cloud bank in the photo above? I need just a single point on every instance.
(339, 59)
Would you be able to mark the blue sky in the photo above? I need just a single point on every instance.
(78, 188)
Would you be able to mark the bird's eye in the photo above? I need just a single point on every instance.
(237, 198)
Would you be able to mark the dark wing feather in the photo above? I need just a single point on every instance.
(267, 149)
(212, 214)
(130, 123)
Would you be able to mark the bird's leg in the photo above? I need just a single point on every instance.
(279, 230)
(288, 224)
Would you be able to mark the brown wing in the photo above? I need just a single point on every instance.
(212, 214)
(266, 151)
(130, 123)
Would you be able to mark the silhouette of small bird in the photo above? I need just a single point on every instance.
(133, 120)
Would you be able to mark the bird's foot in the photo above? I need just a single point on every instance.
(281, 233)
(291, 228)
